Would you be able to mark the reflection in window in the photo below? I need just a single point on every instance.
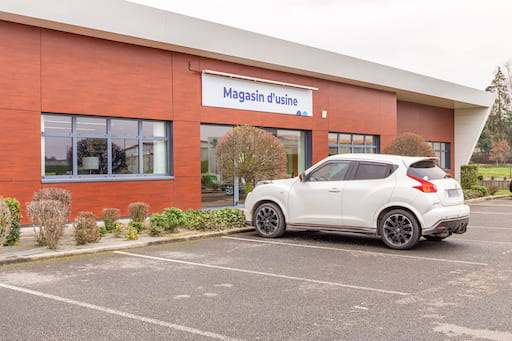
(76, 146)
(353, 143)
(57, 159)
(442, 150)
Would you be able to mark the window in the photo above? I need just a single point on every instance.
(77, 147)
(332, 171)
(442, 150)
(371, 170)
(340, 143)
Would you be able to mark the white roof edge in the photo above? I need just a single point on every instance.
(133, 23)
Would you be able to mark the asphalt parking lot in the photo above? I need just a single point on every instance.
(304, 286)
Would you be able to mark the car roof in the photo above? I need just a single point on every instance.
(395, 159)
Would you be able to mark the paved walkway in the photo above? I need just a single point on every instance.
(28, 250)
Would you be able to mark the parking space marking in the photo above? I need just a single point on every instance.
(358, 251)
(268, 274)
(482, 241)
(489, 227)
(487, 212)
(119, 313)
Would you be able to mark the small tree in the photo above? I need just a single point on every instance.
(500, 151)
(409, 144)
(252, 154)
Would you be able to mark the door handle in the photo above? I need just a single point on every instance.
(335, 190)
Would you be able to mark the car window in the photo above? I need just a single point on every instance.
(332, 171)
(368, 171)
(426, 169)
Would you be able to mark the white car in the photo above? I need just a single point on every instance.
(398, 198)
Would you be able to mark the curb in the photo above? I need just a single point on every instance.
(126, 245)
(489, 197)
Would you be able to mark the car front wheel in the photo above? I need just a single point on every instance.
(399, 230)
(269, 220)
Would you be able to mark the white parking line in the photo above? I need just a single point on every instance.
(357, 251)
(482, 241)
(120, 313)
(489, 228)
(265, 274)
(487, 212)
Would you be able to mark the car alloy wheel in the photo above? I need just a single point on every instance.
(399, 230)
(269, 220)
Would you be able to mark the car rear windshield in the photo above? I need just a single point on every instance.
(426, 169)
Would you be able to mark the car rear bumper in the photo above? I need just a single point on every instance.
(448, 226)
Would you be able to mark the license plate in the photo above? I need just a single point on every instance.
(453, 193)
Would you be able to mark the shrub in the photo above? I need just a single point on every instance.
(5, 221)
(15, 208)
(50, 217)
(138, 225)
(138, 211)
(119, 229)
(470, 194)
(409, 144)
(110, 216)
(131, 233)
(59, 194)
(493, 190)
(86, 228)
(468, 176)
(175, 217)
(480, 189)
(231, 217)
(158, 223)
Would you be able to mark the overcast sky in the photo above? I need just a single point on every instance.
(461, 41)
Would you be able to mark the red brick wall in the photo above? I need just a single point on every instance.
(433, 123)
(43, 70)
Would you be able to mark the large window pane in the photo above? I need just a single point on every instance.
(124, 127)
(333, 138)
(56, 124)
(92, 156)
(125, 156)
(91, 126)
(154, 157)
(216, 191)
(333, 151)
(57, 155)
(153, 128)
(293, 141)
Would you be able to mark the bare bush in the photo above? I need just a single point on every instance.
(409, 144)
(59, 194)
(49, 219)
(110, 216)
(86, 228)
(138, 211)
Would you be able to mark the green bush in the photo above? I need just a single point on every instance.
(158, 224)
(119, 229)
(480, 189)
(15, 208)
(132, 233)
(470, 194)
(468, 176)
(5, 221)
(231, 217)
(138, 225)
(138, 211)
(175, 217)
(110, 216)
(86, 228)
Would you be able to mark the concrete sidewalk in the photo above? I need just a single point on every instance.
(28, 251)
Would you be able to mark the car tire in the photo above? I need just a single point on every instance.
(268, 220)
(399, 230)
(434, 238)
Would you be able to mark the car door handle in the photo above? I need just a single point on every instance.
(335, 190)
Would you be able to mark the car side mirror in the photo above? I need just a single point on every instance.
(302, 177)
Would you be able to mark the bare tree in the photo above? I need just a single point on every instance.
(252, 154)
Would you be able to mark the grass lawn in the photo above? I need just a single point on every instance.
(503, 192)
(496, 171)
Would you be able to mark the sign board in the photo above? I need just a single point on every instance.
(234, 93)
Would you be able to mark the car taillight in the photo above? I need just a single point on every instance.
(425, 187)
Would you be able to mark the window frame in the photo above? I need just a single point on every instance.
(446, 152)
(75, 136)
(338, 145)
